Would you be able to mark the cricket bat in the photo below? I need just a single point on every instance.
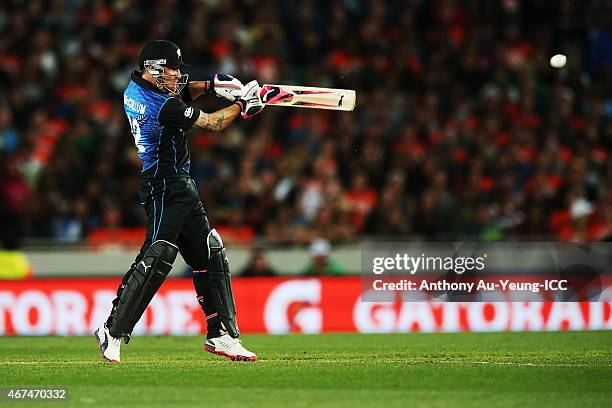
(308, 97)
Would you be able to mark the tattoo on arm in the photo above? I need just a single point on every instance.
(219, 123)
(208, 122)
(218, 120)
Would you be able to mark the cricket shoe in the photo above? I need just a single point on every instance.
(229, 347)
(110, 346)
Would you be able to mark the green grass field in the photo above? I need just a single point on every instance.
(341, 370)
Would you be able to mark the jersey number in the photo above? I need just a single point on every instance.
(136, 132)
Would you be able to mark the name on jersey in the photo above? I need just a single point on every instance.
(134, 105)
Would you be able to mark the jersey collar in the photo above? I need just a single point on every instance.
(143, 83)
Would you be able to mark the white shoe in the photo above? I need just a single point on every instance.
(110, 346)
(229, 347)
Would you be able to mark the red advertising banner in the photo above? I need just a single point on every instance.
(279, 305)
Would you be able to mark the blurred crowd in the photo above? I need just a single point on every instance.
(462, 129)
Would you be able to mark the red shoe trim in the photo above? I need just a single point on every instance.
(100, 351)
(224, 354)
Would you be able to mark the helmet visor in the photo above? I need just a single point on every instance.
(172, 84)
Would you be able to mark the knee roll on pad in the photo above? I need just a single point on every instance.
(220, 282)
(146, 278)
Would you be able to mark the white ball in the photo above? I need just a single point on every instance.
(558, 61)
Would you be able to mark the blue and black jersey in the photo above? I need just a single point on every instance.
(158, 122)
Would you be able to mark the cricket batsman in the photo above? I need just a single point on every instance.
(155, 106)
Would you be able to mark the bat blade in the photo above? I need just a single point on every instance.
(309, 97)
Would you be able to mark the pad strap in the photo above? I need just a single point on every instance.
(146, 278)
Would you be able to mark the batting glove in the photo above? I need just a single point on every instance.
(226, 86)
(250, 100)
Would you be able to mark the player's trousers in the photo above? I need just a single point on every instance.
(175, 214)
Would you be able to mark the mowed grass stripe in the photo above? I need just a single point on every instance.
(466, 369)
(322, 361)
